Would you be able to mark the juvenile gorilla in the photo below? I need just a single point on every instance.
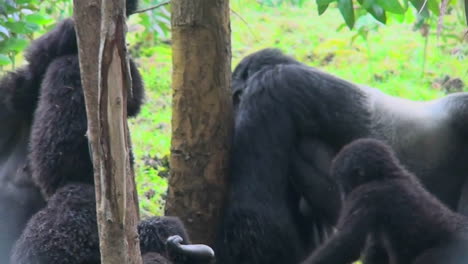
(290, 121)
(167, 236)
(65, 231)
(386, 202)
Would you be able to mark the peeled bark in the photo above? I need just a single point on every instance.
(105, 77)
(202, 114)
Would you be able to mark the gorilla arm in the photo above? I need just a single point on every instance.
(346, 245)
(320, 200)
(311, 179)
(58, 147)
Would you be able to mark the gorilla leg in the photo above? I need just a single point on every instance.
(374, 252)
(310, 177)
(154, 258)
(463, 202)
(63, 232)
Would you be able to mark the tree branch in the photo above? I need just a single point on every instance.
(152, 7)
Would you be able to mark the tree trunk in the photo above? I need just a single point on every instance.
(105, 77)
(202, 114)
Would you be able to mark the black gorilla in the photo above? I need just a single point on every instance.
(65, 231)
(164, 235)
(385, 201)
(291, 120)
(59, 151)
(154, 258)
(19, 91)
(19, 197)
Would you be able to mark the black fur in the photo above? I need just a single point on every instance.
(154, 258)
(66, 232)
(19, 197)
(156, 230)
(386, 202)
(19, 91)
(290, 121)
(59, 147)
(63, 232)
(156, 234)
(262, 223)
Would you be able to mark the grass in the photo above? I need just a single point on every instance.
(390, 59)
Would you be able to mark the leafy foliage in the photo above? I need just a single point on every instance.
(156, 23)
(379, 8)
(19, 19)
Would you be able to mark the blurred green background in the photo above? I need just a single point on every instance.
(416, 55)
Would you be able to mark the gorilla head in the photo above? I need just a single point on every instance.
(252, 64)
(352, 166)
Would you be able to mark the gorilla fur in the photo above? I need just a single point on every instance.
(59, 151)
(19, 91)
(154, 258)
(290, 121)
(385, 201)
(19, 197)
(167, 236)
(65, 231)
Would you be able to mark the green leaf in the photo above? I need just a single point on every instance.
(21, 27)
(22, 2)
(322, 9)
(433, 5)
(392, 6)
(4, 60)
(419, 4)
(366, 3)
(38, 19)
(374, 9)
(322, 5)
(340, 27)
(347, 11)
(14, 45)
(466, 12)
(4, 31)
(378, 13)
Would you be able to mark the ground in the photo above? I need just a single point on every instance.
(391, 59)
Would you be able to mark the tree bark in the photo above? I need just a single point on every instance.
(202, 114)
(105, 77)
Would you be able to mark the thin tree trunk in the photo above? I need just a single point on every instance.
(202, 114)
(105, 77)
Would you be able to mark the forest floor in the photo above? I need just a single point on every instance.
(395, 58)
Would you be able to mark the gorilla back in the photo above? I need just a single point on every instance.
(19, 91)
(291, 120)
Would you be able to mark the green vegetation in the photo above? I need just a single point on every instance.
(390, 58)
(397, 58)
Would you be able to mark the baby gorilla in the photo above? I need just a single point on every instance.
(164, 238)
(385, 202)
(65, 231)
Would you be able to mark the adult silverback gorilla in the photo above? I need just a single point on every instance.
(19, 91)
(291, 120)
